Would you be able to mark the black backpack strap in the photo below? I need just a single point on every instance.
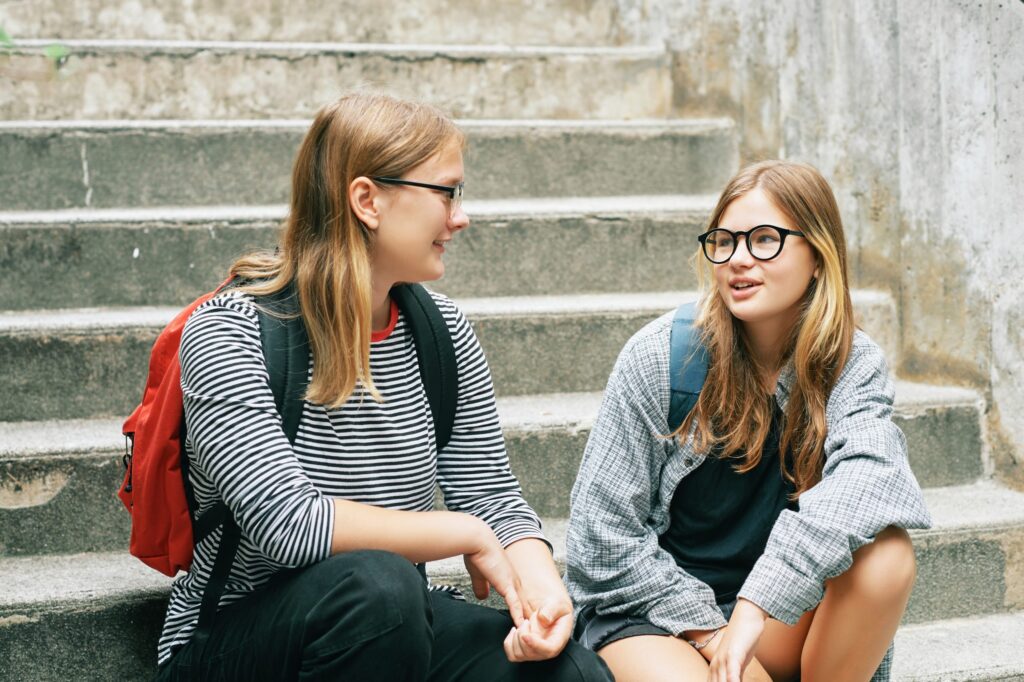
(226, 551)
(286, 352)
(436, 353)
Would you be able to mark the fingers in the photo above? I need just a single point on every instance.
(549, 614)
(515, 605)
(515, 651)
(725, 668)
(481, 586)
(531, 641)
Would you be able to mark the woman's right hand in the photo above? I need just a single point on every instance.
(489, 566)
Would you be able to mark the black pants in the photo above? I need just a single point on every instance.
(365, 616)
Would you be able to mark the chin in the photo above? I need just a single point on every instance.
(430, 275)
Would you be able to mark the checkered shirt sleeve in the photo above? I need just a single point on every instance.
(866, 485)
(614, 562)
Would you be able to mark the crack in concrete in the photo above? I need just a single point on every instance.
(85, 177)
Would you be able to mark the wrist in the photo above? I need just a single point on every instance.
(476, 536)
(748, 610)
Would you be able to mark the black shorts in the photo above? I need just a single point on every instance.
(595, 631)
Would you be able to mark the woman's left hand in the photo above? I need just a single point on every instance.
(739, 640)
(541, 636)
(546, 604)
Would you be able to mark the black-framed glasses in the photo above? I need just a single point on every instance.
(454, 192)
(764, 242)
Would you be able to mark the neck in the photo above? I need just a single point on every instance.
(380, 302)
(767, 340)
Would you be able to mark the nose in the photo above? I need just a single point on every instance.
(741, 255)
(458, 220)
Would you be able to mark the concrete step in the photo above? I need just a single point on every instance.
(171, 256)
(51, 604)
(57, 478)
(116, 79)
(122, 164)
(544, 22)
(981, 649)
(67, 364)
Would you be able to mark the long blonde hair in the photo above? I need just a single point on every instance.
(324, 248)
(733, 411)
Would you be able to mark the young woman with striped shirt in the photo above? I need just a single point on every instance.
(324, 585)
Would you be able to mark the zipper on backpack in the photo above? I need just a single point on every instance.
(127, 461)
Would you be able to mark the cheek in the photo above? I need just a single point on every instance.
(721, 274)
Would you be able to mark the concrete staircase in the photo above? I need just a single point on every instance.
(135, 173)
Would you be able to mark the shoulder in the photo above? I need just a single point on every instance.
(458, 326)
(641, 370)
(451, 313)
(647, 351)
(228, 311)
(865, 362)
(865, 377)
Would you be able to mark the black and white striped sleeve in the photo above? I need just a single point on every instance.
(473, 470)
(237, 440)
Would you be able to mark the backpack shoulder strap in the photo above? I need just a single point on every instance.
(436, 353)
(688, 365)
(286, 352)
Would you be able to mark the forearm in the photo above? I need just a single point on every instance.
(535, 566)
(417, 536)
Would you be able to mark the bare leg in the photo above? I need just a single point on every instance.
(862, 608)
(653, 658)
(846, 637)
(780, 647)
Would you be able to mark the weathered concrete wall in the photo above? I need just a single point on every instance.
(915, 110)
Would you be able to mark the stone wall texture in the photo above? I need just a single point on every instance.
(914, 109)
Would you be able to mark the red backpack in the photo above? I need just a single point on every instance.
(153, 490)
(156, 488)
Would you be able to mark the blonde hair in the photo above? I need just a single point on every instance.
(324, 248)
(733, 410)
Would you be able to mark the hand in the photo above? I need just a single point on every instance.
(737, 643)
(541, 636)
(489, 566)
(546, 604)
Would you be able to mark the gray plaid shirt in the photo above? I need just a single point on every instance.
(620, 502)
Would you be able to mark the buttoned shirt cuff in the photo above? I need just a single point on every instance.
(783, 592)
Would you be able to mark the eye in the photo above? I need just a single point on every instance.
(721, 239)
(766, 236)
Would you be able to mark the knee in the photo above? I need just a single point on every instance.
(372, 574)
(884, 570)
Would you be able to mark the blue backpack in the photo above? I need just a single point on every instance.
(687, 365)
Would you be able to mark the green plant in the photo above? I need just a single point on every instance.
(58, 54)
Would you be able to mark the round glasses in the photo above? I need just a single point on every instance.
(454, 192)
(764, 242)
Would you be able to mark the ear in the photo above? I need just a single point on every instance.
(364, 197)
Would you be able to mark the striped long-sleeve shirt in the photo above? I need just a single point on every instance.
(380, 453)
